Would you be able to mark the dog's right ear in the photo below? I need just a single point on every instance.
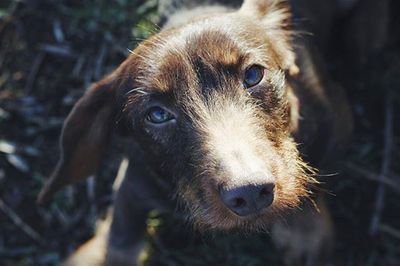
(85, 136)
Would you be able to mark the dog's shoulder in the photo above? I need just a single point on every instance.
(323, 116)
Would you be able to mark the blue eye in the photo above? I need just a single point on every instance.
(157, 115)
(253, 76)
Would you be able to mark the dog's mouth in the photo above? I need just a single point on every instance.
(223, 218)
(252, 207)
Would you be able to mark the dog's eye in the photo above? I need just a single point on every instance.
(253, 76)
(157, 115)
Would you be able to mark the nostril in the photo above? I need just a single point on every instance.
(238, 203)
(266, 191)
(265, 196)
(238, 200)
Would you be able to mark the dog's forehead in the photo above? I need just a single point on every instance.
(219, 40)
(198, 52)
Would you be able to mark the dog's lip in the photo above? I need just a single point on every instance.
(250, 223)
(250, 218)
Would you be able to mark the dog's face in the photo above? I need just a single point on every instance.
(208, 102)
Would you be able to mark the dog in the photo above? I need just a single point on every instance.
(226, 111)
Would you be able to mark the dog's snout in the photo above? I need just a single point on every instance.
(248, 199)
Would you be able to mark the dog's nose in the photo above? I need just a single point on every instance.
(249, 199)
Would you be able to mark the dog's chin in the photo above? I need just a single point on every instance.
(249, 224)
(207, 212)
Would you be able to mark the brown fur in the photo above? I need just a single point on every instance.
(223, 136)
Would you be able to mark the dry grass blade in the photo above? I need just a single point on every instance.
(20, 223)
(387, 158)
(390, 230)
(387, 180)
(33, 73)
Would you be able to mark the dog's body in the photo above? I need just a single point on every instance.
(217, 126)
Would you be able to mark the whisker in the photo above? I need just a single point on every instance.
(328, 175)
(139, 90)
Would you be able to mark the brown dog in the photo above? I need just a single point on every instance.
(214, 106)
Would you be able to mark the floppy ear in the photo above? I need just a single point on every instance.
(275, 15)
(85, 136)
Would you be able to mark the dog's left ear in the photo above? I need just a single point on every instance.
(276, 17)
(85, 136)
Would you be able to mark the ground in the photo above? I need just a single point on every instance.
(50, 51)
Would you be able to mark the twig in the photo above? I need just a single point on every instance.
(58, 50)
(78, 66)
(10, 15)
(87, 78)
(121, 49)
(388, 141)
(90, 192)
(100, 60)
(386, 180)
(17, 252)
(57, 31)
(62, 217)
(20, 223)
(33, 73)
(390, 230)
(123, 167)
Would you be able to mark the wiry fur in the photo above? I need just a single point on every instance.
(224, 135)
(259, 118)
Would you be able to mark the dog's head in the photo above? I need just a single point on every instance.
(209, 103)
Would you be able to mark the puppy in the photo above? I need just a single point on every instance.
(214, 106)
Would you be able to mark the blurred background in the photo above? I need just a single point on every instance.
(50, 51)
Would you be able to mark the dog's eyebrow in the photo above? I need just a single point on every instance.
(140, 90)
